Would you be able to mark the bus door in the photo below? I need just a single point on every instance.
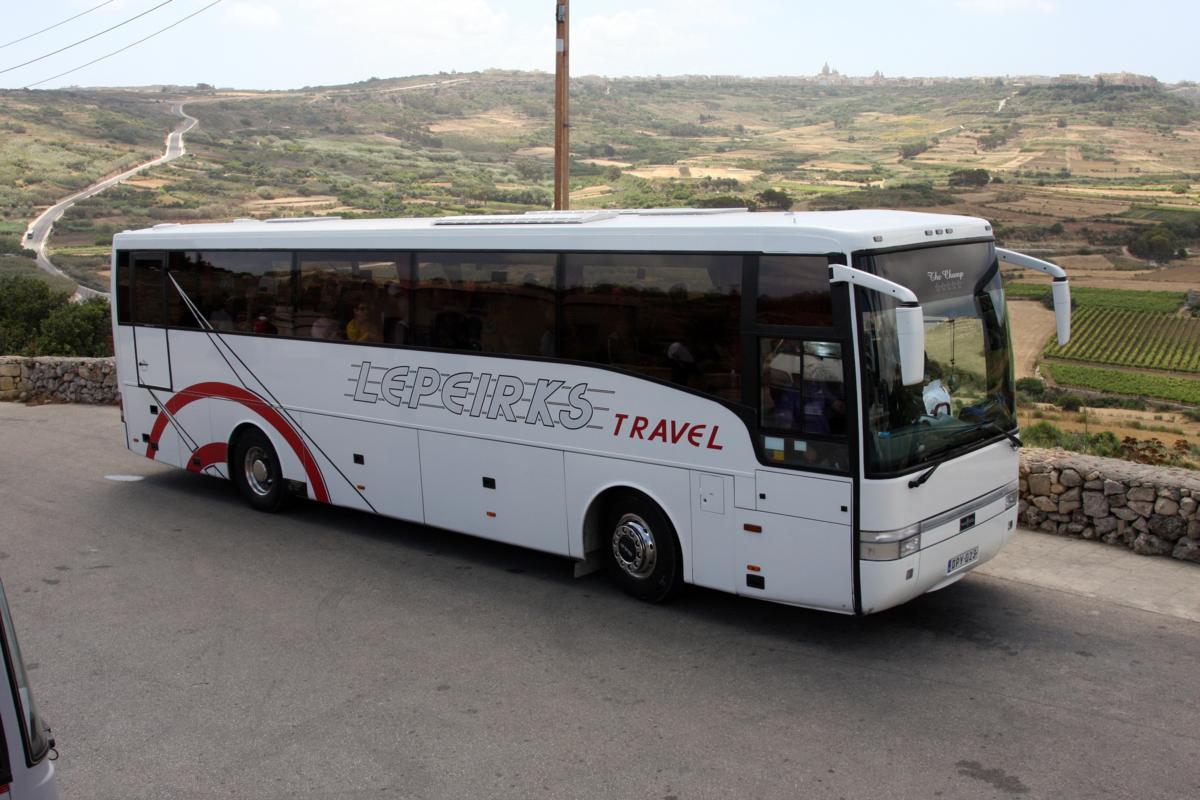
(150, 341)
(797, 343)
(26, 769)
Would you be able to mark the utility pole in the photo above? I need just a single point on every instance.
(562, 125)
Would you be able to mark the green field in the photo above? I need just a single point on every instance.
(1085, 297)
(1138, 384)
(1102, 335)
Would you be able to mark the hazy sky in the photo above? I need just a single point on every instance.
(276, 44)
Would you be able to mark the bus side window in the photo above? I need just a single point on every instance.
(803, 406)
(794, 290)
(353, 296)
(670, 317)
(124, 315)
(184, 272)
(487, 302)
(147, 290)
(246, 291)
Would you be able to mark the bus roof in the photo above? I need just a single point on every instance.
(678, 230)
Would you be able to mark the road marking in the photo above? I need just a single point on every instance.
(124, 478)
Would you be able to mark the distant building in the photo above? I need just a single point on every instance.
(1128, 79)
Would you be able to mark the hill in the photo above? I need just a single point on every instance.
(1059, 169)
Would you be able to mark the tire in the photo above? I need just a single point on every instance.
(256, 470)
(641, 549)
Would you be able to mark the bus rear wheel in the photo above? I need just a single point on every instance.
(256, 471)
(642, 551)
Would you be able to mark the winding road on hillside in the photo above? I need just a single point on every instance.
(39, 230)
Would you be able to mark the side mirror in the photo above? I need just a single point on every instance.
(910, 334)
(1060, 289)
(910, 320)
(1062, 309)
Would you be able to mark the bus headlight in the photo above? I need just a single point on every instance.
(1010, 499)
(889, 545)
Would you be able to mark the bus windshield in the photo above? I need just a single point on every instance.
(967, 395)
(36, 742)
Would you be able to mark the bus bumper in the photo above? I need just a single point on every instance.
(884, 584)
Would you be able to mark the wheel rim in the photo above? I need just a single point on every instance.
(633, 546)
(258, 471)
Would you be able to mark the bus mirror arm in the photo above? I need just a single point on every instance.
(1060, 288)
(910, 320)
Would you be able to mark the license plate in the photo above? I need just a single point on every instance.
(961, 560)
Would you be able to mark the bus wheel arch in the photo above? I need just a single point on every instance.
(255, 468)
(634, 537)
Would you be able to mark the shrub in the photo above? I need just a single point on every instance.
(10, 244)
(1157, 243)
(1070, 402)
(1034, 387)
(24, 303)
(969, 177)
(77, 329)
(775, 198)
(1041, 434)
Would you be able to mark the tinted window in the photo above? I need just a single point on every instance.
(147, 290)
(803, 405)
(671, 317)
(249, 291)
(354, 296)
(794, 290)
(182, 272)
(123, 298)
(490, 302)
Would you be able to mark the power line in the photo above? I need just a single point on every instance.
(55, 25)
(126, 47)
(88, 39)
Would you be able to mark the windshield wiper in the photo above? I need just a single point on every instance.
(989, 425)
(915, 482)
(1012, 437)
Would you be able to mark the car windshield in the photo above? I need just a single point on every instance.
(34, 732)
(966, 396)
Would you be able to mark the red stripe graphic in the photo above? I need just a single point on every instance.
(206, 456)
(256, 404)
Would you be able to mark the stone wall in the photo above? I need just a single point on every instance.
(1150, 510)
(63, 380)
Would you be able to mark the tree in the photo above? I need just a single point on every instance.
(24, 303)
(1156, 243)
(970, 177)
(531, 169)
(775, 198)
(77, 329)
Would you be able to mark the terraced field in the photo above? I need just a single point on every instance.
(1124, 338)
(1133, 384)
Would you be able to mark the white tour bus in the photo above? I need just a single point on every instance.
(26, 767)
(811, 408)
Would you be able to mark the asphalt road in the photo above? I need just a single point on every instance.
(188, 647)
(43, 225)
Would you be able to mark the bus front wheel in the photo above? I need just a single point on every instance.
(257, 472)
(642, 551)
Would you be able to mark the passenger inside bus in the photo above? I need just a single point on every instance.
(363, 327)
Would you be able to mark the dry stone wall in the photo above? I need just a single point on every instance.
(1151, 510)
(63, 380)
